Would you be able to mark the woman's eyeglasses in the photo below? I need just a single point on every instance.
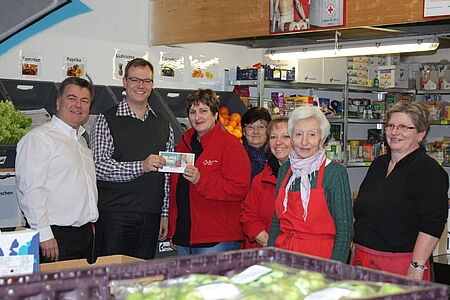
(256, 127)
(399, 127)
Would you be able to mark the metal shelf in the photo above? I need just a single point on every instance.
(354, 88)
(441, 122)
(335, 120)
(425, 92)
(289, 84)
(366, 121)
(359, 164)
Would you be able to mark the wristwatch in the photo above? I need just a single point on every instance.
(416, 266)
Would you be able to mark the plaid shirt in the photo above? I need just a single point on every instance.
(107, 168)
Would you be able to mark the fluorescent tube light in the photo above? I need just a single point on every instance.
(341, 49)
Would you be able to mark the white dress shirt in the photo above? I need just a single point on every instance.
(55, 178)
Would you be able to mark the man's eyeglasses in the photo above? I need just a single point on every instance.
(400, 127)
(135, 80)
(256, 127)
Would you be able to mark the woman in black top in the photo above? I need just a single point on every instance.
(254, 124)
(401, 208)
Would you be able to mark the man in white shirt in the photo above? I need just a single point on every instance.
(55, 176)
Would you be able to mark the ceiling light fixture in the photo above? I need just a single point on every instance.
(356, 48)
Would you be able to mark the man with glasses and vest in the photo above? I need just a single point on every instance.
(132, 194)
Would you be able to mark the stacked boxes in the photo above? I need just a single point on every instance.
(393, 76)
(362, 70)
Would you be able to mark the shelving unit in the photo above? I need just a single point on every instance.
(345, 89)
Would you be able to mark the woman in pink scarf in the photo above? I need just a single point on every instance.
(313, 209)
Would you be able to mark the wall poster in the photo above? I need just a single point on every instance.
(121, 58)
(297, 15)
(30, 64)
(436, 8)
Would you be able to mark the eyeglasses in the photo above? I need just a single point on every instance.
(135, 80)
(400, 127)
(256, 127)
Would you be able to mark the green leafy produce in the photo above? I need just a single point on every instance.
(354, 289)
(265, 281)
(274, 279)
(191, 287)
(13, 124)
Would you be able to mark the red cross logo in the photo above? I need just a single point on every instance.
(330, 9)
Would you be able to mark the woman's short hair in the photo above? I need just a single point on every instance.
(309, 111)
(205, 96)
(275, 123)
(416, 110)
(254, 114)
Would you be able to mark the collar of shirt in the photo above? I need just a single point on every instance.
(67, 129)
(123, 110)
(411, 156)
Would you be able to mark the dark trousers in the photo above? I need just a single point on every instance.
(128, 233)
(73, 243)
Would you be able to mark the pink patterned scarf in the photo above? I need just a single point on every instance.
(301, 168)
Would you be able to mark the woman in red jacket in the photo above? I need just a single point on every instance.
(205, 200)
(258, 207)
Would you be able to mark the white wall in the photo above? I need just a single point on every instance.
(115, 24)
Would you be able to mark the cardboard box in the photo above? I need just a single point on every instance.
(334, 70)
(393, 76)
(428, 76)
(444, 77)
(19, 252)
(10, 214)
(82, 263)
(310, 70)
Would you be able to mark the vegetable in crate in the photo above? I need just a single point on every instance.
(279, 280)
(191, 287)
(353, 289)
(13, 124)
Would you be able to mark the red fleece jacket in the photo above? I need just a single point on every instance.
(215, 201)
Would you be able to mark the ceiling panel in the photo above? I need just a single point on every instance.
(16, 15)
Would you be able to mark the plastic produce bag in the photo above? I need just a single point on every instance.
(268, 280)
(352, 289)
(191, 287)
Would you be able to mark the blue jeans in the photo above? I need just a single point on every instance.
(220, 247)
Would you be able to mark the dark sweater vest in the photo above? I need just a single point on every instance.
(135, 140)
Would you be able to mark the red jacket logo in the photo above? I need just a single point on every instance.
(208, 162)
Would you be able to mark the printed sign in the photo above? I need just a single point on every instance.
(30, 65)
(436, 8)
(204, 69)
(75, 66)
(171, 66)
(121, 58)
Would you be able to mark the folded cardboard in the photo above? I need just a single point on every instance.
(82, 263)
(19, 252)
